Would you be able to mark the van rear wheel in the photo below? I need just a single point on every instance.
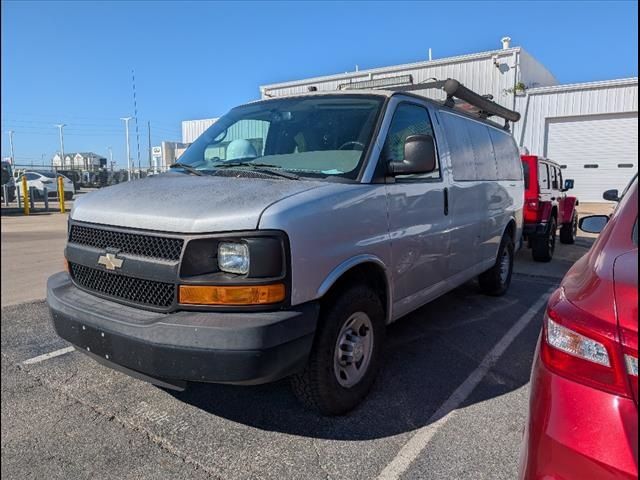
(496, 280)
(346, 353)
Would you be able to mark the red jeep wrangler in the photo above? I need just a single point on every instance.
(547, 207)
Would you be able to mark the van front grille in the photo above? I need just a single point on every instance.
(136, 290)
(151, 246)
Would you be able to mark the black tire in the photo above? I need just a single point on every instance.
(543, 246)
(496, 280)
(569, 231)
(317, 386)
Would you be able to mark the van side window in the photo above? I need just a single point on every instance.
(408, 119)
(543, 176)
(508, 160)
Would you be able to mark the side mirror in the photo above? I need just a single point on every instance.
(568, 184)
(593, 223)
(611, 195)
(419, 156)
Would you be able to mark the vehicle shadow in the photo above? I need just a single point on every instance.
(428, 355)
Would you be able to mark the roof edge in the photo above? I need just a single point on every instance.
(392, 68)
(618, 82)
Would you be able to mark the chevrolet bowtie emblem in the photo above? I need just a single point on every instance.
(110, 261)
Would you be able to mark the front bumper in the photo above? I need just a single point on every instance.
(237, 348)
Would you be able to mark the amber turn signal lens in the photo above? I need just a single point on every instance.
(217, 295)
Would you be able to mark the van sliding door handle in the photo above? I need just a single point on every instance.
(446, 201)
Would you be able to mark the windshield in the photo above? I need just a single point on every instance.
(315, 137)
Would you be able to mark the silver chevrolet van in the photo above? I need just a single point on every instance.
(288, 236)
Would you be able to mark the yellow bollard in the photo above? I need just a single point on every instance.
(61, 194)
(25, 195)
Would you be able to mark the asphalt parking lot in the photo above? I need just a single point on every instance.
(451, 400)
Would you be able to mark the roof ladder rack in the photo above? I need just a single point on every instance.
(454, 89)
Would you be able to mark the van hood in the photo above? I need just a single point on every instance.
(181, 203)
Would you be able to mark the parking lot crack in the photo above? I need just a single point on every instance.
(327, 475)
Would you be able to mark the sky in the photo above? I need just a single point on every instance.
(72, 62)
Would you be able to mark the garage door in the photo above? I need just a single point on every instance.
(599, 151)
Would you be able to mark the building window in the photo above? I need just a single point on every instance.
(625, 165)
(563, 166)
(591, 165)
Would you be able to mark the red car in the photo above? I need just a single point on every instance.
(547, 207)
(583, 417)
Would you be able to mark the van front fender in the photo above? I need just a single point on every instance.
(351, 263)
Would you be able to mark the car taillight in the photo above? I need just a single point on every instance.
(631, 361)
(585, 349)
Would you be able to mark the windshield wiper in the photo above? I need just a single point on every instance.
(186, 167)
(264, 167)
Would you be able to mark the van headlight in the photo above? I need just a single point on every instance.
(233, 257)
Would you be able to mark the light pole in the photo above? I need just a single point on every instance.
(126, 132)
(110, 157)
(60, 127)
(10, 132)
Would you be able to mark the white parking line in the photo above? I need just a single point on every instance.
(47, 356)
(412, 449)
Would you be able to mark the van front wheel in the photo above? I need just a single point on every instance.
(496, 280)
(346, 353)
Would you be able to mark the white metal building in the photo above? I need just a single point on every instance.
(591, 129)
(192, 129)
(501, 73)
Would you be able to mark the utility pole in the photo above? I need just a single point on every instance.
(135, 118)
(13, 163)
(60, 127)
(149, 132)
(126, 133)
(110, 157)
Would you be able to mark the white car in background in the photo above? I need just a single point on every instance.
(41, 180)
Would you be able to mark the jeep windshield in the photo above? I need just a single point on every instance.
(319, 137)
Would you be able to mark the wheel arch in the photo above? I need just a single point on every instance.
(364, 268)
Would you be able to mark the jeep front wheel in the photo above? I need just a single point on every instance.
(346, 353)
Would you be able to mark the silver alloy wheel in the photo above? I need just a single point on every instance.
(353, 350)
(505, 263)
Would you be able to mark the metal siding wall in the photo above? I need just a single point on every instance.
(479, 74)
(586, 101)
(533, 73)
(192, 129)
